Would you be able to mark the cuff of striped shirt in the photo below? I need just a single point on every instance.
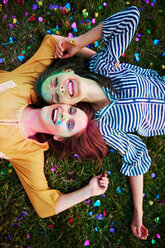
(136, 169)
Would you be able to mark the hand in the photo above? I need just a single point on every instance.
(98, 185)
(67, 44)
(117, 64)
(138, 229)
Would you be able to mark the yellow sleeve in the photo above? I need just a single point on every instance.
(31, 174)
(41, 59)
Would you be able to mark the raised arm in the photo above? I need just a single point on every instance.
(116, 31)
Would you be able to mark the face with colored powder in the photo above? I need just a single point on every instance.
(63, 120)
(64, 87)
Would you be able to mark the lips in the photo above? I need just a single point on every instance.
(70, 89)
(55, 115)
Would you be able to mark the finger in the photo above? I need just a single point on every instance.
(99, 176)
(143, 236)
(59, 55)
(138, 231)
(143, 233)
(103, 185)
(134, 231)
(60, 44)
(58, 50)
(103, 182)
(105, 179)
(144, 230)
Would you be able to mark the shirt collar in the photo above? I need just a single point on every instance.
(101, 112)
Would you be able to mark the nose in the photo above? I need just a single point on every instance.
(62, 89)
(63, 115)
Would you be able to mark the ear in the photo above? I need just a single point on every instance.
(55, 137)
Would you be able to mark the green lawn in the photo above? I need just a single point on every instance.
(20, 226)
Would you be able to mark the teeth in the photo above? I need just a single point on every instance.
(55, 115)
(70, 89)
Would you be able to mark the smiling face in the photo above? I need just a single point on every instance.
(64, 87)
(62, 120)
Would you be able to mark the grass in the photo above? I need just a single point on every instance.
(20, 226)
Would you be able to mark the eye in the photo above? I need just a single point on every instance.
(57, 98)
(54, 82)
(72, 110)
(70, 125)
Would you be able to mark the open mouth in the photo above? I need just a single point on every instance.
(70, 89)
(55, 115)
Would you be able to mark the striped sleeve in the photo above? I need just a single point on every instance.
(135, 158)
(119, 29)
(117, 33)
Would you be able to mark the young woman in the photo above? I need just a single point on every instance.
(126, 98)
(25, 132)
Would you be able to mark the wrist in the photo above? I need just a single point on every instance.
(91, 190)
(80, 42)
(138, 212)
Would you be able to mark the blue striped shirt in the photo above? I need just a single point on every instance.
(139, 105)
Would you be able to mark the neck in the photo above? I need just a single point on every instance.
(29, 122)
(101, 104)
(94, 94)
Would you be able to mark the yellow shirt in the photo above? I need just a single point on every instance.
(26, 155)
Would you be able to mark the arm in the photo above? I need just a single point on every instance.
(116, 31)
(48, 202)
(78, 45)
(89, 37)
(86, 52)
(135, 163)
(138, 229)
(97, 185)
